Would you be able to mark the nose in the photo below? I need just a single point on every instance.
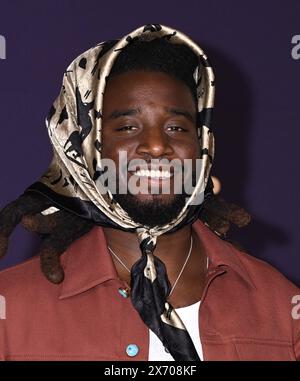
(154, 143)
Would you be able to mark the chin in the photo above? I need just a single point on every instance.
(151, 210)
(163, 199)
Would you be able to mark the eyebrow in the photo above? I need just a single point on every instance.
(128, 112)
(185, 113)
(133, 111)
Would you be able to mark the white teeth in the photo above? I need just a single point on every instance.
(153, 174)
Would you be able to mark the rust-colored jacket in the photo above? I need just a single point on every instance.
(245, 313)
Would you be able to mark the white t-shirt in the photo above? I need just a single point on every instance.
(190, 317)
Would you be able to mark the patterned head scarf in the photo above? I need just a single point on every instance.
(74, 127)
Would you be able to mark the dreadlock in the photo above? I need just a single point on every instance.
(58, 230)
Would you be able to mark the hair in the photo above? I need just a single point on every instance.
(60, 229)
(159, 55)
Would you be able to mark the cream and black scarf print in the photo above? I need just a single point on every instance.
(74, 127)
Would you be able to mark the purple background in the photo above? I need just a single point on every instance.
(256, 121)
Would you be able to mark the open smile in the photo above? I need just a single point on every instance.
(153, 174)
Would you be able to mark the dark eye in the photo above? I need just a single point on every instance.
(176, 128)
(127, 128)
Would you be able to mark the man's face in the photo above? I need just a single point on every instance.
(150, 115)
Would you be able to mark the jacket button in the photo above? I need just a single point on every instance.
(132, 350)
(124, 292)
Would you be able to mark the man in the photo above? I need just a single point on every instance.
(155, 282)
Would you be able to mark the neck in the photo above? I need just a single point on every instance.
(171, 248)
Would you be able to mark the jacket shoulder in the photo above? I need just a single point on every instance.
(23, 279)
(264, 275)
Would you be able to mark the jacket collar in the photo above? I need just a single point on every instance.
(87, 262)
(222, 253)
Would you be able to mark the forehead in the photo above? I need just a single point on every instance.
(143, 87)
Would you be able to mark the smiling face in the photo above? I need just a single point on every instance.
(150, 115)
